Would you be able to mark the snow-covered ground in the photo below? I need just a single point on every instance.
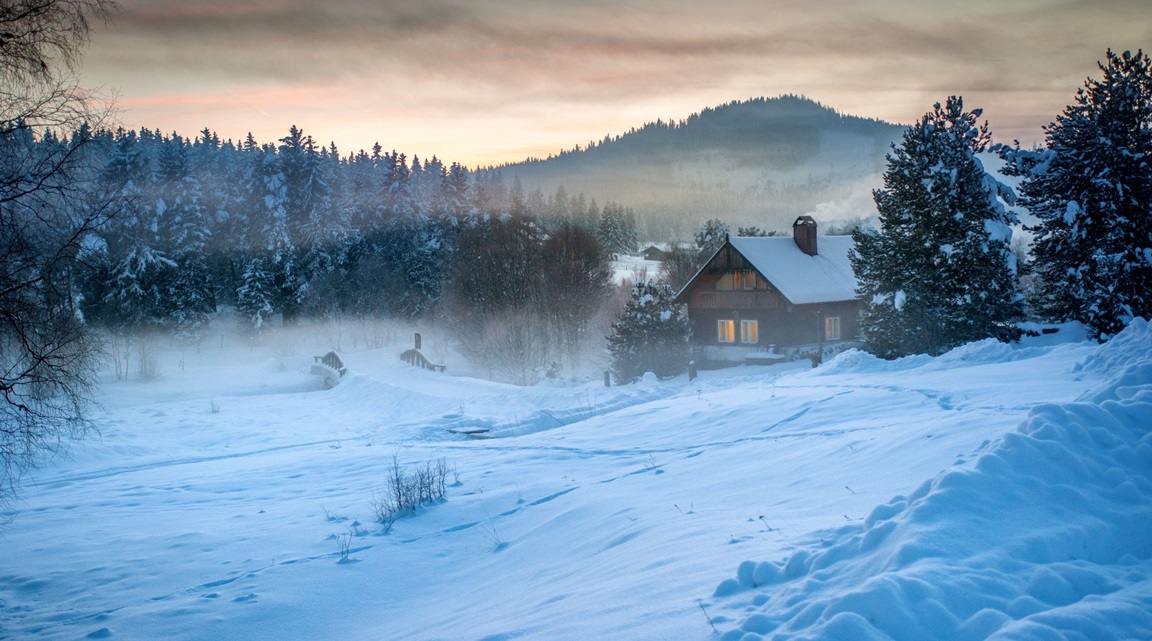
(994, 492)
(632, 268)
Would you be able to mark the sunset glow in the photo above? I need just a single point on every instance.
(498, 80)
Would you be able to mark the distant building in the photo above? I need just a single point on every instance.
(761, 299)
(658, 251)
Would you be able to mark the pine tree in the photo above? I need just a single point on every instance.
(650, 335)
(1091, 191)
(454, 192)
(710, 237)
(129, 294)
(254, 299)
(617, 229)
(580, 216)
(628, 234)
(940, 270)
(183, 230)
(272, 228)
(608, 229)
(559, 209)
(396, 187)
(215, 166)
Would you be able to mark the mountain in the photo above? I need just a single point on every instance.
(758, 162)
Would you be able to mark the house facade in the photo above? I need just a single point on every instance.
(658, 251)
(763, 299)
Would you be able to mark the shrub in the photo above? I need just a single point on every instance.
(405, 490)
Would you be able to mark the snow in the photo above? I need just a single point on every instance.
(1047, 534)
(997, 491)
(634, 269)
(825, 277)
(899, 299)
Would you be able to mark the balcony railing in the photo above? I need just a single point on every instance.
(737, 300)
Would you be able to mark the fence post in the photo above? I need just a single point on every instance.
(691, 370)
(417, 340)
(607, 378)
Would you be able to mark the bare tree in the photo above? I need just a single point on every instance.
(493, 297)
(577, 282)
(50, 203)
(680, 264)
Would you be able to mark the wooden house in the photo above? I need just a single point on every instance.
(658, 251)
(762, 299)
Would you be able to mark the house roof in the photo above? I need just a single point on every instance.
(803, 279)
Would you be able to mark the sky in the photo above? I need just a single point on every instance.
(484, 82)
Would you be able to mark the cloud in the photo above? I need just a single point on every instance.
(546, 64)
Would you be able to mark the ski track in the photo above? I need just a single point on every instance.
(59, 482)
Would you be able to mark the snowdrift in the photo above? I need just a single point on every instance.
(1046, 535)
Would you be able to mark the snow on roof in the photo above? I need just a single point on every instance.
(803, 279)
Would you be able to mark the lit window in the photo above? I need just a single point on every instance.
(726, 331)
(749, 331)
(832, 328)
(745, 279)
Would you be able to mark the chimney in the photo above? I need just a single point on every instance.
(804, 233)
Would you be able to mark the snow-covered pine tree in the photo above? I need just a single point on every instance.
(628, 232)
(580, 216)
(270, 225)
(396, 188)
(559, 208)
(357, 203)
(592, 219)
(128, 294)
(453, 199)
(617, 229)
(216, 165)
(940, 270)
(254, 299)
(307, 204)
(183, 231)
(517, 201)
(710, 237)
(536, 203)
(1091, 191)
(608, 229)
(489, 194)
(650, 335)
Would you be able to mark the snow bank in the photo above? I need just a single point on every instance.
(1046, 535)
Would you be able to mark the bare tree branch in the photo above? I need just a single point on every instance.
(51, 201)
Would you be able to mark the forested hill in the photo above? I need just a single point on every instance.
(754, 162)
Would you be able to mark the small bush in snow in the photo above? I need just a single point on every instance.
(407, 489)
(343, 543)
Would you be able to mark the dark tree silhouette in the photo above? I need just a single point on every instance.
(49, 205)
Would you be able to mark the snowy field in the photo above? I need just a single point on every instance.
(994, 492)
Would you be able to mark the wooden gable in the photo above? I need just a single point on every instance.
(729, 281)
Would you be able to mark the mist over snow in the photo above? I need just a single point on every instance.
(995, 492)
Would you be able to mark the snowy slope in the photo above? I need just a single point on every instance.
(206, 510)
(1046, 535)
